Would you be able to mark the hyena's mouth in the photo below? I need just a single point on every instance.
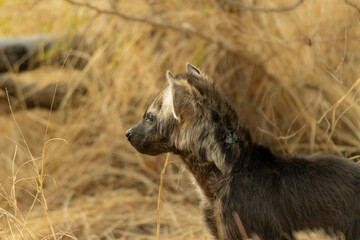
(149, 149)
(152, 145)
(140, 147)
(134, 140)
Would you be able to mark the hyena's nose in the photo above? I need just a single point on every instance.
(128, 134)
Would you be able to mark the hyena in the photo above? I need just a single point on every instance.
(274, 196)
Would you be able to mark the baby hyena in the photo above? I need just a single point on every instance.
(274, 196)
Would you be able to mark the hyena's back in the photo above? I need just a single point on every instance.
(273, 196)
(279, 196)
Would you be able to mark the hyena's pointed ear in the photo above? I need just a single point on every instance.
(193, 70)
(171, 79)
(170, 95)
(182, 103)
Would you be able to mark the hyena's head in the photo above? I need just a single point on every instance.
(189, 116)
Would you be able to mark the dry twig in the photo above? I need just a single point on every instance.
(159, 197)
(240, 225)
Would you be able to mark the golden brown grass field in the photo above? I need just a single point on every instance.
(292, 75)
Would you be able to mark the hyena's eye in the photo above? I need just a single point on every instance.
(149, 118)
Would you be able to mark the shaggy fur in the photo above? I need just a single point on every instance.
(274, 196)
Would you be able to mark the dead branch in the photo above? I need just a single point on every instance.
(353, 5)
(188, 30)
(260, 9)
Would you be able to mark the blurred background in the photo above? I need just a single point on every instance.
(75, 74)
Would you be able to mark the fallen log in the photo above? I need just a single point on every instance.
(25, 96)
(26, 53)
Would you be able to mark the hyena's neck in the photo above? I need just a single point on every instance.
(212, 160)
(206, 174)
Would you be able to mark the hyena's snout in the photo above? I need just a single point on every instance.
(128, 134)
(134, 137)
(146, 139)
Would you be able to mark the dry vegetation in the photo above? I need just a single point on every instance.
(291, 75)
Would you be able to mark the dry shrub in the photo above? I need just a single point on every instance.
(291, 75)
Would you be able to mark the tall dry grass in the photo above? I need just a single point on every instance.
(292, 76)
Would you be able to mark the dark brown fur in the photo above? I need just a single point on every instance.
(274, 196)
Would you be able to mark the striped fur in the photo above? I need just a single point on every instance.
(274, 196)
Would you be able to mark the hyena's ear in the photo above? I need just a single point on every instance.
(171, 80)
(193, 70)
(180, 97)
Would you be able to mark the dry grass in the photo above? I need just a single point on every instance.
(292, 77)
